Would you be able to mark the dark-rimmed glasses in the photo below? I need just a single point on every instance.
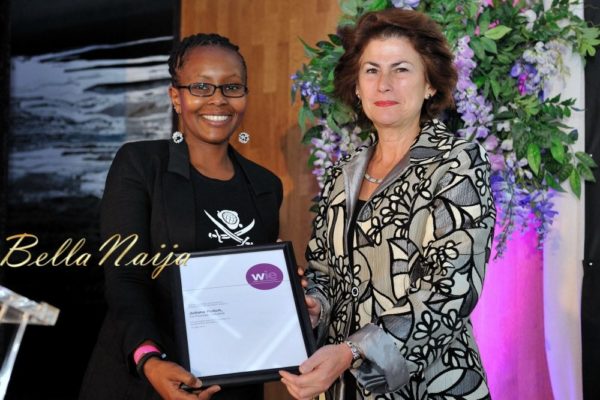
(202, 89)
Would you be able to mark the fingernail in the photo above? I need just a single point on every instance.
(198, 383)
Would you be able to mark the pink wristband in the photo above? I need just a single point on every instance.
(145, 349)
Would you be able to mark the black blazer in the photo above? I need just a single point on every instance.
(149, 192)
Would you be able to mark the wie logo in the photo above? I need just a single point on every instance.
(264, 276)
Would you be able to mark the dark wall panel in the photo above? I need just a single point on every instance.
(590, 304)
(86, 76)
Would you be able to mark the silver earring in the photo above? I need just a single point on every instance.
(244, 137)
(177, 137)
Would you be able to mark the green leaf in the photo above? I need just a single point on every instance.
(564, 172)
(331, 123)
(573, 135)
(551, 182)
(311, 159)
(558, 151)
(315, 205)
(503, 59)
(534, 158)
(349, 7)
(302, 118)
(489, 45)
(313, 132)
(293, 94)
(495, 87)
(325, 45)
(498, 32)
(309, 51)
(478, 48)
(335, 39)
(377, 5)
(484, 21)
(586, 172)
(585, 159)
(340, 116)
(473, 7)
(575, 182)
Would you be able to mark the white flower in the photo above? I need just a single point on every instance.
(531, 17)
(503, 126)
(507, 145)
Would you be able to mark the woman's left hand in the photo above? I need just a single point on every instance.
(319, 372)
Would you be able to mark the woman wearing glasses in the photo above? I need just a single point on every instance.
(178, 195)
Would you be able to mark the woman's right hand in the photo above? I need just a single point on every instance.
(314, 310)
(167, 377)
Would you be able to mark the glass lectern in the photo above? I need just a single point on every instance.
(21, 311)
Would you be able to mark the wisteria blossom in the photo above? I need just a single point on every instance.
(405, 3)
(528, 79)
(540, 68)
(508, 55)
(475, 110)
(309, 90)
(331, 146)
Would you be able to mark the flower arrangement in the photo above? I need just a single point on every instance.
(508, 54)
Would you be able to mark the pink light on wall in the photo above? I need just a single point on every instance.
(509, 323)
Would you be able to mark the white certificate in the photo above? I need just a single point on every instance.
(244, 312)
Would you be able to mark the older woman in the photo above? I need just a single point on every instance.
(404, 229)
(170, 193)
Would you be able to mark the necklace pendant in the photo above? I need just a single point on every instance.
(369, 178)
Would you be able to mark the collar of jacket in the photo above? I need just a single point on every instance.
(179, 163)
(354, 167)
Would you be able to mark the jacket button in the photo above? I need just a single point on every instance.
(354, 291)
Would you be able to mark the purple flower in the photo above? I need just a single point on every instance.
(474, 109)
(330, 146)
(527, 76)
(309, 91)
(491, 143)
(515, 70)
(497, 161)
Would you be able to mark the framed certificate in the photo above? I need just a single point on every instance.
(240, 314)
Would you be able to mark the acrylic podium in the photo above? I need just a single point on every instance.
(20, 311)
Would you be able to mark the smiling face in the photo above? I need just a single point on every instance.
(392, 84)
(209, 120)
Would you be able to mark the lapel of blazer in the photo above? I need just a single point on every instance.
(353, 173)
(178, 194)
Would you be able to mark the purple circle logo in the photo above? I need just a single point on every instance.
(264, 276)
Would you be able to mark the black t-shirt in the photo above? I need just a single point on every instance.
(225, 212)
(226, 216)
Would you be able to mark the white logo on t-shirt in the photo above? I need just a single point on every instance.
(230, 227)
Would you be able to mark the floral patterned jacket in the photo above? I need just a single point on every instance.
(420, 249)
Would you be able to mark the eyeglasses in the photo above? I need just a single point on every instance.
(202, 89)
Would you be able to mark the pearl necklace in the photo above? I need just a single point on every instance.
(372, 180)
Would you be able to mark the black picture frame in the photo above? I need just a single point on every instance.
(235, 378)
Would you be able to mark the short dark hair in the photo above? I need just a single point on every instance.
(177, 57)
(425, 36)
